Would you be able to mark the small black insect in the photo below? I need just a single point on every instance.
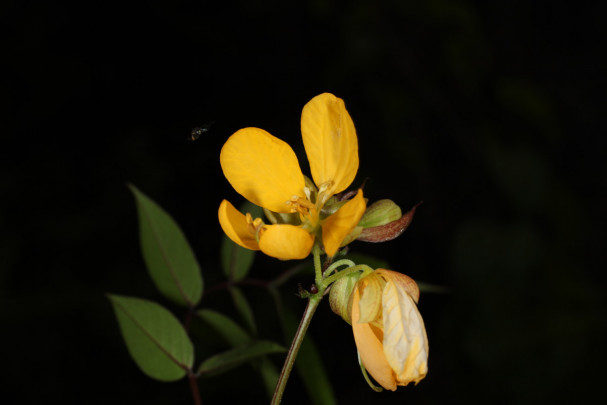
(197, 131)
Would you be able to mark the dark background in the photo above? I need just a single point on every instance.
(489, 112)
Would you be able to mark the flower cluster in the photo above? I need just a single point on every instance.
(265, 170)
(380, 305)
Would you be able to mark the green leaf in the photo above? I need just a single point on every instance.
(167, 254)
(227, 360)
(242, 305)
(310, 367)
(237, 336)
(154, 338)
(269, 374)
(225, 326)
(236, 261)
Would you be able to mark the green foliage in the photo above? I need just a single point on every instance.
(236, 336)
(244, 308)
(159, 344)
(154, 337)
(236, 261)
(225, 361)
(167, 254)
(269, 374)
(310, 367)
(233, 333)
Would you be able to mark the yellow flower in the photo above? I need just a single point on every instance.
(265, 171)
(388, 329)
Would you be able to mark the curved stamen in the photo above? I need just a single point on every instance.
(255, 226)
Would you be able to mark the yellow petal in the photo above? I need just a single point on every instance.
(369, 344)
(339, 225)
(330, 141)
(286, 242)
(235, 225)
(370, 289)
(262, 168)
(405, 342)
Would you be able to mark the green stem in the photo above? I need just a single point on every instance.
(317, 265)
(327, 281)
(342, 262)
(313, 302)
(295, 346)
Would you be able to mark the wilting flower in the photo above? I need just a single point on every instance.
(265, 171)
(388, 329)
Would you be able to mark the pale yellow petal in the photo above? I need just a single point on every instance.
(369, 344)
(330, 141)
(235, 225)
(405, 342)
(336, 227)
(286, 242)
(262, 168)
(370, 289)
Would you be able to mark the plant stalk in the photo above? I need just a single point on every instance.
(313, 302)
(194, 388)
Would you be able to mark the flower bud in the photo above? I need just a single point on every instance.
(388, 230)
(340, 296)
(380, 213)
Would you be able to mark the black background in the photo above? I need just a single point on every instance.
(492, 113)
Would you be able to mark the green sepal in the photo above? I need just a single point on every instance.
(340, 297)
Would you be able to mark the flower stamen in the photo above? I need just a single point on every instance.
(255, 226)
(300, 205)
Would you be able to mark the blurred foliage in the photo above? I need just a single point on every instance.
(489, 112)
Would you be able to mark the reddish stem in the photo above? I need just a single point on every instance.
(194, 388)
